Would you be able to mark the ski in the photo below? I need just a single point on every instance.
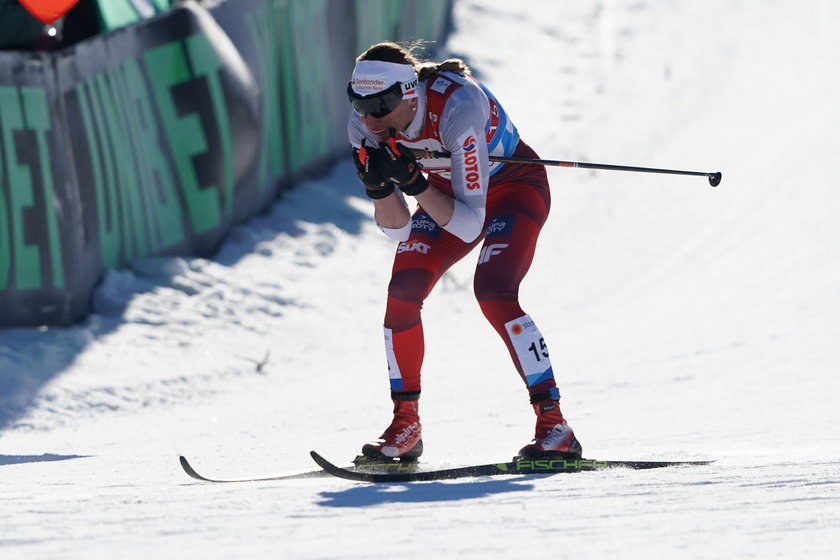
(193, 473)
(319, 473)
(411, 472)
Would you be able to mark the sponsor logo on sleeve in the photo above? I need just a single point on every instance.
(471, 172)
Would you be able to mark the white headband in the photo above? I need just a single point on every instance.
(373, 76)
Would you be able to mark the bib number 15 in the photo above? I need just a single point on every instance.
(539, 349)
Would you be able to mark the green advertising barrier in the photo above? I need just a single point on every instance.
(164, 124)
(119, 13)
(156, 138)
(40, 223)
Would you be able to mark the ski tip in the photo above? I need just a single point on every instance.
(325, 465)
(188, 468)
(318, 459)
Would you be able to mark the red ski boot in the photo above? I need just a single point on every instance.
(553, 437)
(401, 440)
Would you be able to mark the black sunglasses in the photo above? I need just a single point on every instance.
(376, 105)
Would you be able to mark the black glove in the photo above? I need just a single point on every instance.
(400, 166)
(369, 164)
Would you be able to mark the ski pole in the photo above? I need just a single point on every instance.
(714, 177)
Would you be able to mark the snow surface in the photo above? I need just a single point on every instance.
(685, 322)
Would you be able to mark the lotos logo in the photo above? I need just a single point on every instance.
(472, 176)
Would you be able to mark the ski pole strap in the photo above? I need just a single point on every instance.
(405, 395)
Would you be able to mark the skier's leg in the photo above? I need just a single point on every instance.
(504, 260)
(418, 265)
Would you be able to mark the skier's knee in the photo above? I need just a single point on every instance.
(412, 285)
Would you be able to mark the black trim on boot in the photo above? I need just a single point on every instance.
(405, 395)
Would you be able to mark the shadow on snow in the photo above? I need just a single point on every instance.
(46, 457)
(376, 494)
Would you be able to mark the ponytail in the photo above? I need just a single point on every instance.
(426, 69)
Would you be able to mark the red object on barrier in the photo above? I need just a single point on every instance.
(48, 11)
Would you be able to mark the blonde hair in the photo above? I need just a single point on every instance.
(394, 52)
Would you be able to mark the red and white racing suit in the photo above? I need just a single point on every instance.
(502, 205)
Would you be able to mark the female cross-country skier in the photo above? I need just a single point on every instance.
(403, 107)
